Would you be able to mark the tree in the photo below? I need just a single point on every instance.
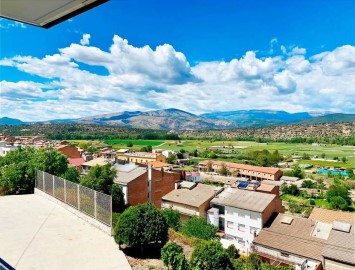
(338, 191)
(100, 178)
(297, 172)
(292, 189)
(262, 160)
(323, 155)
(306, 156)
(253, 262)
(172, 218)
(209, 166)
(51, 161)
(212, 154)
(172, 256)
(308, 184)
(118, 201)
(232, 252)
(223, 170)
(343, 159)
(171, 158)
(129, 144)
(72, 174)
(209, 255)
(141, 225)
(199, 228)
(338, 202)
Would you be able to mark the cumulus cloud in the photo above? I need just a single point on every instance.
(7, 24)
(85, 40)
(142, 78)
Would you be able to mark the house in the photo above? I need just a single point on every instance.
(240, 214)
(193, 177)
(339, 252)
(242, 170)
(69, 151)
(94, 162)
(143, 184)
(191, 202)
(77, 163)
(292, 241)
(6, 148)
(159, 165)
(142, 157)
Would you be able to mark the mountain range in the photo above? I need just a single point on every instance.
(175, 119)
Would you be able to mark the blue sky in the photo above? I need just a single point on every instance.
(198, 56)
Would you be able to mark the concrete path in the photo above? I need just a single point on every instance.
(37, 234)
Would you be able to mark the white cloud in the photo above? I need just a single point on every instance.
(85, 40)
(7, 24)
(142, 78)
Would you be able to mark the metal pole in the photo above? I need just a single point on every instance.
(78, 192)
(95, 197)
(65, 190)
(53, 184)
(44, 182)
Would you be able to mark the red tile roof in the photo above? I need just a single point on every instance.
(243, 166)
(76, 161)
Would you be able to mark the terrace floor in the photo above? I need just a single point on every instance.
(36, 233)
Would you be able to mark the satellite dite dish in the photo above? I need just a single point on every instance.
(45, 13)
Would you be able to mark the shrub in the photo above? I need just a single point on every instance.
(199, 228)
(312, 202)
(118, 202)
(210, 255)
(232, 252)
(141, 225)
(172, 256)
(172, 218)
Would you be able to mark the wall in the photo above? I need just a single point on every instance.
(70, 151)
(333, 265)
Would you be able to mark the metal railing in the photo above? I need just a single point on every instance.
(88, 201)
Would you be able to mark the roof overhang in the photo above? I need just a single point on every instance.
(45, 13)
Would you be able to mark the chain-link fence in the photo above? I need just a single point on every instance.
(95, 204)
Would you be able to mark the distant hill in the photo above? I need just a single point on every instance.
(159, 119)
(330, 118)
(10, 121)
(258, 118)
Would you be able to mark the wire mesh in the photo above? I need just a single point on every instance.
(72, 193)
(48, 183)
(59, 188)
(39, 180)
(103, 208)
(87, 201)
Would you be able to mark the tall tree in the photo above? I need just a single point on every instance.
(100, 178)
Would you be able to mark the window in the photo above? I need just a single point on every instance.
(285, 254)
(240, 241)
(229, 237)
(230, 224)
(254, 215)
(241, 227)
(253, 230)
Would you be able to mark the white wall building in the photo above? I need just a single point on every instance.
(241, 214)
(5, 148)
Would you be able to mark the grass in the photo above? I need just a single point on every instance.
(134, 142)
(326, 163)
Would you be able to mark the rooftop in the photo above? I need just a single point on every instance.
(158, 164)
(289, 178)
(293, 237)
(96, 161)
(242, 166)
(341, 245)
(142, 154)
(244, 199)
(193, 197)
(40, 234)
(329, 216)
(76, 161)
(128, 172)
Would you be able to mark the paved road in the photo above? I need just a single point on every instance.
(37, 234)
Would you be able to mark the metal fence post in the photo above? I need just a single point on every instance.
(111, 213)
(78, 189)
(65, 190)
(95, 213)
(44, 182)
(53, 186)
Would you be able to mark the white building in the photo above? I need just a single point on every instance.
(5, 148)
(241, 214)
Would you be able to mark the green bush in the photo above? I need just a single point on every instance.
(210, 255)
(172, 218)
(199, 228)
(173, 256)
(232, 252)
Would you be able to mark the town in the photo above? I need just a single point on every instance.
(289, 214)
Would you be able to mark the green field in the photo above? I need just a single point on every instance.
(135, 142)
(327, 163)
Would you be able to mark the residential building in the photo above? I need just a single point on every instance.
(339, 252)
(95, 162)
(143, 184)
(243, 170)
(193, 177)
(69, 151)
(77, 163)
(329, 216)
(141, 157)
(159, 165)
(292, 241)
(241, 214)
(191, 202)
(6, 148)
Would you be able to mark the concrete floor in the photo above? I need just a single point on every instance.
(36, 233)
